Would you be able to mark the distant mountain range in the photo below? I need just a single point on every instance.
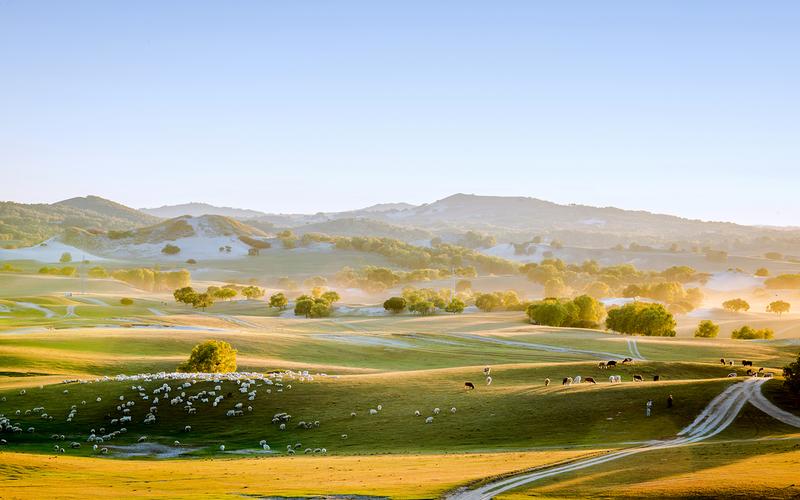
(509, 219)
(197, 209)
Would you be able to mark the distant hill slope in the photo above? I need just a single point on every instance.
(365, 227)
(195, 237)
(26, 224)
(199, 209)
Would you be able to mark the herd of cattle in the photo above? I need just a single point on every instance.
(604, 365)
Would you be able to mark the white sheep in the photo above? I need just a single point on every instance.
(429, 420)
(488, 380)
(453, 410)
(373, 411)
(436, 411)
(222, 447)
(417, 413)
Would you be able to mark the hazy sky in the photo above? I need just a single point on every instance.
(690, 108)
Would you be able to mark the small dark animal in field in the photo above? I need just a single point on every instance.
(637, 378)
(469, 386)
(627, 360)
(487, 371)
(589, 380)
(602, 365)
(669, 401)
(761, 369)
(611, 363)
(656, 378)
(567, 381)
(722, 360)
(546, 382)
(747, 363)
(730, 363)
(750, 373)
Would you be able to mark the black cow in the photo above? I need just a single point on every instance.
(611, 363)
(627, 360)
(469, 386)
(589, 380)
(656, 378)
(747, 363)
(638, 378)
(722, 360)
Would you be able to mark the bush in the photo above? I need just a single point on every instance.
(395, 305)
(641, 318)
(581, 312)
(211, 356)
(254, 243)
(170, 249)
(791, 373)
(191, 261)
(65, 258)
(707, 329)
(125, 301)
(279, 301)
(98, 272)
(736, 305)
(748, 333)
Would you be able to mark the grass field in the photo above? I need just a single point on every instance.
(403, 363)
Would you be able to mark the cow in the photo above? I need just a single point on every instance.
(747, 363)
(611, 363)
(602, 365)
(722, 360)
(761, 369)
(627, 360)
(589, 380)
(469, 386)
(656, 378)
(566, 381)
(638, 378)
(750, 373)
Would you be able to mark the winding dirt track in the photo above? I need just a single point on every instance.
(715, 418)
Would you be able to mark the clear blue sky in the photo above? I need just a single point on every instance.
(690, 108)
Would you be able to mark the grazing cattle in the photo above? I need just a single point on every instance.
(469, 385)
(731, 375)
(656, 378)
(546, 382)
(747, 363)
(609, 364)
(637, 378)
(577, 379)
(722, 360)
(761, 369)
(627, 360)
(602, 365)
(590, 380)
(750, 373)
(567, 381)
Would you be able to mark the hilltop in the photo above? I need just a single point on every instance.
(196, 209)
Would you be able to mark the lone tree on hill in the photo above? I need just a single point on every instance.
(211, 356)
(736, 305)
(185, 295)
(395, 305)
(707, 329)
(279, 301)
(252, 292)
(202, 301)
(779, 307)
(65, 257)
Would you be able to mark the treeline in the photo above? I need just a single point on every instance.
(641, 318)
(59, 271)
(560, 279)
(438, 256)
(783, 281)
(377, 279)
(153, 279)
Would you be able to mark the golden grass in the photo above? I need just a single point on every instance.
(398, 476)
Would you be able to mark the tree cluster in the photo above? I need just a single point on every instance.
(640, 318)
(581, 312)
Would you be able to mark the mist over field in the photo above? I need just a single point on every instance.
(359, 250)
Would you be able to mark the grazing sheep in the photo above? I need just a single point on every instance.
(222, 447)
(732, 374)
(602, 365)
(577, 379)
(373, 411)
(265, 447)
(352, 414)
(469, 386)
(436, 411)
(615, 379)
(380, 407)
(282, 427)
(416, 413)
(546, 382)
(567, 381)
(344, 436)
(290, 451)
(142, 439)
(176, 443)
(453, 410)
(429, 420)
(188, 428)
(104, 451)
(488, 380)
